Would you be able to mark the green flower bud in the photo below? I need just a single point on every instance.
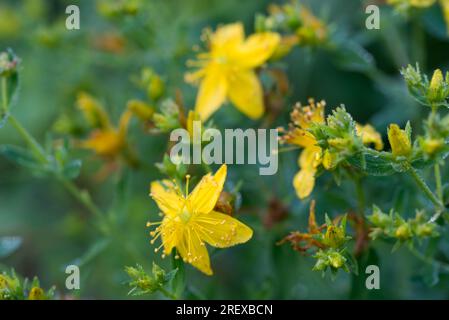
(8, 63)
(336, 260)
(403, 232)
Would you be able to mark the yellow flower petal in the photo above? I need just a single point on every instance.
(245, 92)
(300, 137)
(399, 141)
(227, 37)
(106, 143)
(221, 230)
(193, 250)
(212, 92)
(167, 197)
(93, 111)
(205, 195)
(257, 49)
(310, 158)
(171, 233)
(304, 181)
(370, 135)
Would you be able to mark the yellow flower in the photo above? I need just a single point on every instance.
(227, 70)
(430, 146)
(140, 109)
(313, 156)
(36, 293)
(425, 4)
(370, 135)
(310, 158)
(191, 118)
(399, 141)
(106, 140)
(92, 110)
(190, 220)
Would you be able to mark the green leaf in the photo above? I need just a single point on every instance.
(349, 55)
(21, 156)
(72, 169)
(374, 165)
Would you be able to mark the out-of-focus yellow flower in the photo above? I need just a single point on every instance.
(430, 146)
(425, 4)
(370, 135)
(190, 220)
(36, 293)
(10, 22)
(140, 109)
(191, 118)
(399, 141)
(227, 70)
(92, 110)
(312, 30)
(106, 140)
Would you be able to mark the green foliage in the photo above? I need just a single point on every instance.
(13, 288)
(141, 283)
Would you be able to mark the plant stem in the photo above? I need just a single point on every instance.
(4, 95)
(168, 294)
(438, 182)
(37, 150)
(360, 196)
(428, 260)
(81, 196)
(425, 188)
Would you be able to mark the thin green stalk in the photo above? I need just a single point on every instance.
(4, 95)
(168, 294)
(425, 188)
(443, 266)
(439, 185)
(360, 196)
(39, 153)
(35, 147)
(81, 196)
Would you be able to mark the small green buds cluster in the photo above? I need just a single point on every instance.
(432, 144)
(331, 258)
(152, 83)
(333, 253)
(12, 288)
(142, 283)
(296, 19)
(174, 171)
(337, 137)
(433, 93)
(392, 225)
(167, 118)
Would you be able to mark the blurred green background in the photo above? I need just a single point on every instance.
(58, 63)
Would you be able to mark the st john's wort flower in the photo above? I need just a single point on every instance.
(105, 140)
(190, 221)
(227, 70)
(325, 142)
